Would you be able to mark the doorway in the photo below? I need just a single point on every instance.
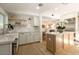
(48, 25)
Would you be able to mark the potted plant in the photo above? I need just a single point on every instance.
(60, 27)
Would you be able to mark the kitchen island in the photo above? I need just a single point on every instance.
(59, 42)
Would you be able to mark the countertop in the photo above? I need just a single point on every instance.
(55, 33)
(8, 38)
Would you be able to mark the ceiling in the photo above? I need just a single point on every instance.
(27, 7)
(57, 9)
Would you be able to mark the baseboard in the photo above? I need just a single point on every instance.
(29, 43)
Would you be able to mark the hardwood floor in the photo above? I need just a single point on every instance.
(40, 49)
(34, 49)
(71, 51)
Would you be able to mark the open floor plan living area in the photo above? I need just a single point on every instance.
(39, 29)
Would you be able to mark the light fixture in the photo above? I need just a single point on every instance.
(52, 14)
(39, 5)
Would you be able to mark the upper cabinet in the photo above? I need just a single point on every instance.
(70, 26)
(36, 21)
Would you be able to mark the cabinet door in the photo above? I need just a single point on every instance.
(23, 38)
(36, 21)
(6, 49)
(48, 42)
(30, 37)
(51, 43)
(27, 38)
(36, 37)
(20, 38)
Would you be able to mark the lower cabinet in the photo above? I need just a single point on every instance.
(6, 49)
(24, 37)
(51, 43)
(28, 37)
(36, 37)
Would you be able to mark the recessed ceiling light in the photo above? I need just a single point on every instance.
(37, 7)
(64, 3)
(56, 8)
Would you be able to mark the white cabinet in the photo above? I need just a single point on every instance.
(6, 49)
(28, 37)
(36, 21)
(24, 38)
(36, 37)
(21, 38)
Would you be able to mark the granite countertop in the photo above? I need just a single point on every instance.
(7, 38)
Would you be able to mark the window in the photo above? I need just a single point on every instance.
(1, 21)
